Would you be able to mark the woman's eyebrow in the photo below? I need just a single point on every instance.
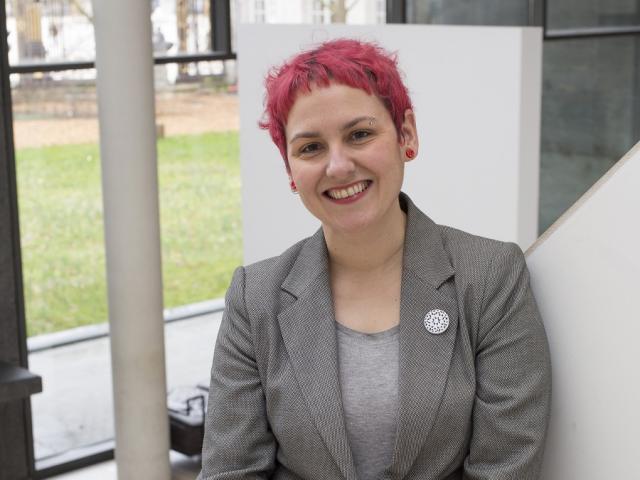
(304, 135)
(357, 120)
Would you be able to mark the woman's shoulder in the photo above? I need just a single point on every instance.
(472, 256)
(467, 253)
(466, 244)
(264, 280)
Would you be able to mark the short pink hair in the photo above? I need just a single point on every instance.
(361, 65)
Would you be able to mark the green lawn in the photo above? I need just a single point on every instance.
(60, 206)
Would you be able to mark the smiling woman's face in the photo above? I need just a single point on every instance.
(346, 158)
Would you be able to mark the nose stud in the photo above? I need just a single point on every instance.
(436, 321)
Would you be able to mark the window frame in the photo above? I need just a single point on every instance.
(13, 319)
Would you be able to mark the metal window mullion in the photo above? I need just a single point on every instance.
(594, 32)
(160, 60)
(396, 11)
(13, 336)
(220, 11)
(538, 13)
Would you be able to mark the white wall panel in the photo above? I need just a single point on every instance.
(476, 92)
(586, 278)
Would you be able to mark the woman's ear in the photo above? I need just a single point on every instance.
(292, 183)
(409, 135)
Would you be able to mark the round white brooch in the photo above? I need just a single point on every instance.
(436, 321)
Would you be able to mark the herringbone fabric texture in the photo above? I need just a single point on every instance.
(473, 400)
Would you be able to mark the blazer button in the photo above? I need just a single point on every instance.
(436, 321)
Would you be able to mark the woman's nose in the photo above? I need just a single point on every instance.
(340, 164)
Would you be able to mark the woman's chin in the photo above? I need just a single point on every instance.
(350, 226)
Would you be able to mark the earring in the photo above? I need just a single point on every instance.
(293, 187)
(410, 153)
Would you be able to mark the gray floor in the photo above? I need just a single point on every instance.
(182, 468)
(75, 408)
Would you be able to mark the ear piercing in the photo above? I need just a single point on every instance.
(410, 153)
(292, 185)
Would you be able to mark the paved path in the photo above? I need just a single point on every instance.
(184, 114)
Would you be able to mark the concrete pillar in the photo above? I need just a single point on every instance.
(124, 61)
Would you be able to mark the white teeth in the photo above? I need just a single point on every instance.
(339, 194)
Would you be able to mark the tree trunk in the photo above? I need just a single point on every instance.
(338, 11)
(205, 12)
(29, 29)
(182, 17)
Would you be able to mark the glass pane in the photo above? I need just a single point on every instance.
(590, 115)
(199, 174)
(466, 12)
(189, 354)
(592, 13)
(62, 30)
(60, 200)
(181, 26)
(354, 12)
(50, 31)
(57, 155)
(310, 11)
(60, 207)
(75, 408)
(200, 206)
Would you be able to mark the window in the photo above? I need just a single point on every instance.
(572, 14)
(259, 12)
(590, 101)
(56, 139)
(319, 12)
(590, 115)
(464, 12)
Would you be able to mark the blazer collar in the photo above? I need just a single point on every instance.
(424, 253)
(308, 330)
(312, 261)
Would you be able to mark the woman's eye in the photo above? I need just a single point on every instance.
(310, 148)
(360, 135)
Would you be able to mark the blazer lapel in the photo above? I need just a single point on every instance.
(424, 357)
(309, 334)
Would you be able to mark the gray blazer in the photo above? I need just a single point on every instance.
(473, 400)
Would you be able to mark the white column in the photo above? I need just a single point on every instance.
(124, 60)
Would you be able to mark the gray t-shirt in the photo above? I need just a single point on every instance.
(368, 366)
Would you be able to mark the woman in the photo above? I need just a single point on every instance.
(384, 346)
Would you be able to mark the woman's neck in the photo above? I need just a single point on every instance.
(377, 248)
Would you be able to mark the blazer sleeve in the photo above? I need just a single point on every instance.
(513, 377)
(238, 443)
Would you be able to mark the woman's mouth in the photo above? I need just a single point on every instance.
(348, 193)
